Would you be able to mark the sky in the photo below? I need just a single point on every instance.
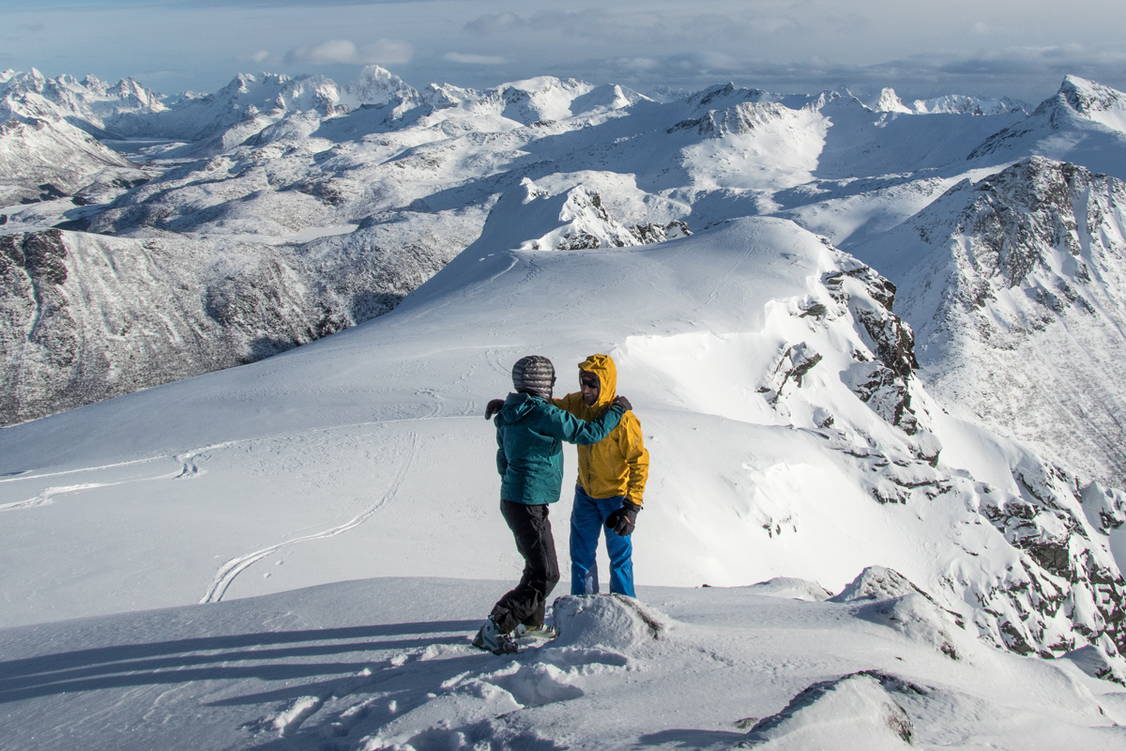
(1018, 48)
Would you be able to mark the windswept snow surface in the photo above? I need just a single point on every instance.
(753, 354)
(386, 664)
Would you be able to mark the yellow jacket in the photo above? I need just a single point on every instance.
(619, 464)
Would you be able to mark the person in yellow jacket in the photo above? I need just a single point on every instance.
(611, 482)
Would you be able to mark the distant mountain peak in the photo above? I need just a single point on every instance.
(889, 101)
(1088, 96)
(1079, 97)
(724, 95)
(377, 85)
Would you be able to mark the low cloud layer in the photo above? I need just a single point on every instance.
(347, 52)
(470, 59)
(1017, 47)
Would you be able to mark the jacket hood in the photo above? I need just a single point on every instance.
(516, 405)
(603, 367)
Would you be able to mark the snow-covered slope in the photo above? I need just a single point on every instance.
(767, 345)
(48, 159)
(249, 299)
(790, 437)
(385, 664)
(1016, 288)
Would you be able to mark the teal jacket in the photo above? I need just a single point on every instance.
(530, 432)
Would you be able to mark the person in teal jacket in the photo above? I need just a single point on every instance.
(530, 435)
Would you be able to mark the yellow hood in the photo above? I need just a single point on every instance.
(603, 367)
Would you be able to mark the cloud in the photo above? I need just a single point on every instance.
(496, 23)
(347, 52)
(22, 30)
(1027, 74)
(637, 64)
(471, 59)
(260, 56)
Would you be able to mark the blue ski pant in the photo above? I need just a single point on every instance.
(588, 521)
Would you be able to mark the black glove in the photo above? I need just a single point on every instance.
(621, 401)
(493, 407)
(624, 519)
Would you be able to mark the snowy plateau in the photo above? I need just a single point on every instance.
(875, 347)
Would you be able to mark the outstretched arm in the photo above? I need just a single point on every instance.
(552, 421)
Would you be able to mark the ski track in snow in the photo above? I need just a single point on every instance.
(232, 568)
(46, 497)
(23, 476)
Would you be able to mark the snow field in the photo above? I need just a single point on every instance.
(385, 664)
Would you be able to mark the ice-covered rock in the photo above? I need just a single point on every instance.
(614, 622)
(860, 710)
(798, 589)
(892, 600)
(1084, 123)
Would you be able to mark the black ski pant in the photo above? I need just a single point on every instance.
(525, 603)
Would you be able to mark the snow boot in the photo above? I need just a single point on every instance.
(545, 632)
(490, 639)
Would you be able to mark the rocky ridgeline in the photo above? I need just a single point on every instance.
(1062, 590)
(584, 223)
(1030, 264)
(882, 363)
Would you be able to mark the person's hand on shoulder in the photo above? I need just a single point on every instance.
(621, 401)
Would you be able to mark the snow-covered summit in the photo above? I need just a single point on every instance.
(1093, 100)
(970, 105)
(1083, 123)
(533, 218)
(889, 101)
(90, 103)
(541, 99)
(377, 85)
(952, 104)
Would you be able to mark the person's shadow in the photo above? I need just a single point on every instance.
(269, 656)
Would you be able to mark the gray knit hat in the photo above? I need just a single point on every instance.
(534, 375)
